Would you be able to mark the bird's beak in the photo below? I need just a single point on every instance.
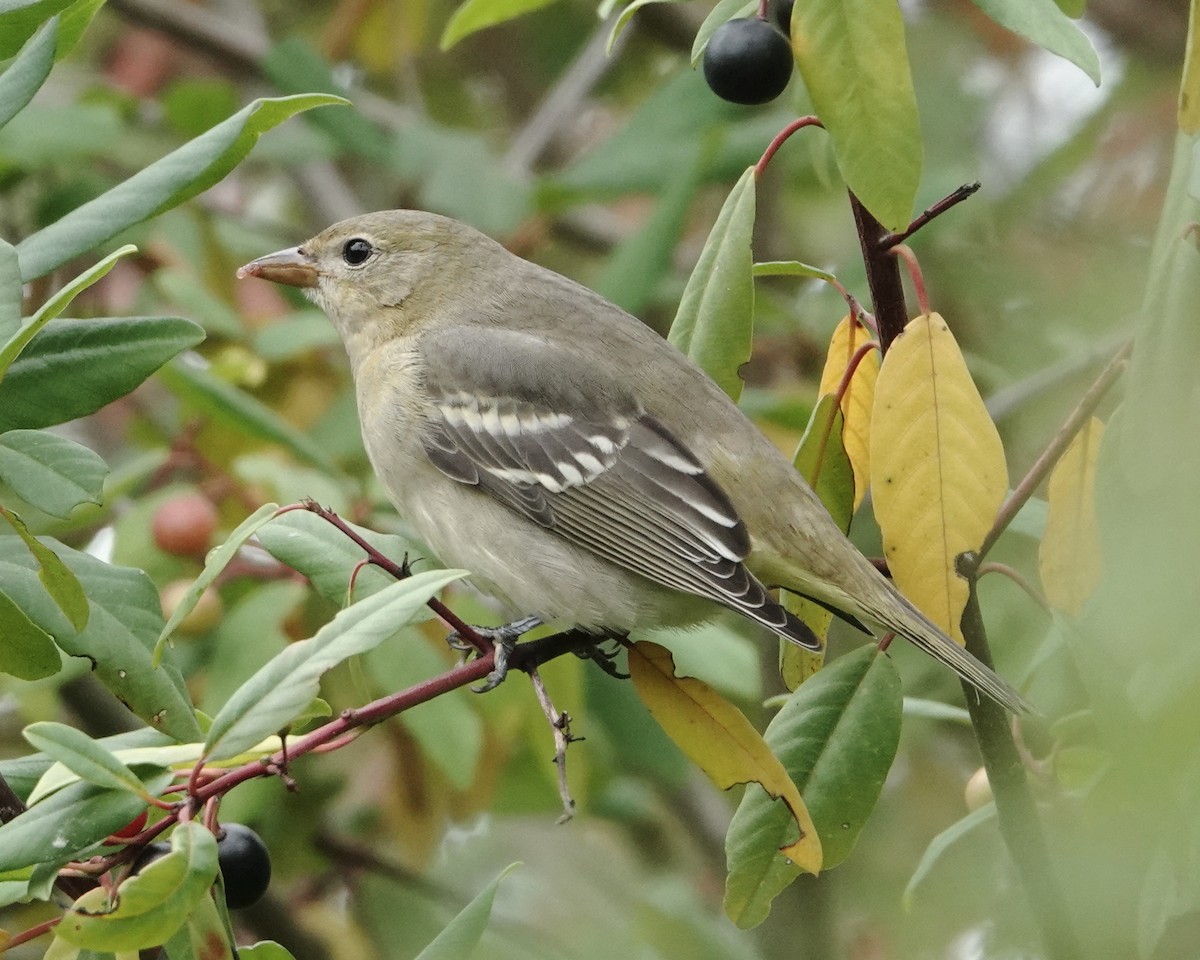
(292, 266)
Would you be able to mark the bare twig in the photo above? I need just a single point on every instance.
(560, 723)
(936, 210)
(1050, 456)
(397, 570)
(1016, 577)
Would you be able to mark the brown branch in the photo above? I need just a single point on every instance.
(883, 275)
(397, 570)
(948, 201)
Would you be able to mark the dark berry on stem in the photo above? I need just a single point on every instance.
(747, 61)
(148, 854)
(245, 865)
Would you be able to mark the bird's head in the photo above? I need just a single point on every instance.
(370, 274)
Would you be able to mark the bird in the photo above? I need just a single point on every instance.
(583, 469)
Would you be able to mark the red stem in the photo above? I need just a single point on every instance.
(906, 254)
(761, 167)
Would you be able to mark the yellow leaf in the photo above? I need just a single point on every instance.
(719, 739)
(796, 663)
(1069, 559)
(858, 399)
(938, 474)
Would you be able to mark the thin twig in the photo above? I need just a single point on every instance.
(560, 723)
(905, 253)
(948, 201)
(1055, 449)
(780, 138)
(397, 570)
(1016, 577)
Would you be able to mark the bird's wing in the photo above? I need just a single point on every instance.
(535, 427)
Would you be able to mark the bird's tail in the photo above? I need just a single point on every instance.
(898, 614)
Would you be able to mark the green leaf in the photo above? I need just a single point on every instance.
(724, 11)
(150, 905)
(84, 757)
(56, 305)
(623, 19)
(295, 66)
(477, 14)
(10, 291)
(462, 934)
(852, 56)
(28, 652)
(822, 461)
(276, 694)
(72, 23)
(124, 621)
(294, 335)
(943, 842)
(638, 265)
(327, 557)
(188, 293)
(1044, 23)
(102, 359)
(51, 472)
(936, 710)
(216, 561)
(177, 177)
(66, 824)
(23, 773)
(259, 614)
(20, 19)
(264, 950)
(715, 321)
(837, 736)
(26, 74)
(203, 935)
(792, 268)
(62, 585)
(211, 396)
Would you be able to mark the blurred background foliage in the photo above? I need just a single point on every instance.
(609, 169)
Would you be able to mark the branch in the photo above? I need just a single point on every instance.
(883, 275)
(1054, 451)
(1020, 825)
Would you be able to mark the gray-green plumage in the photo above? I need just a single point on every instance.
(581, 467)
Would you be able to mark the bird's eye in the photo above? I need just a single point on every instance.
(356, 251)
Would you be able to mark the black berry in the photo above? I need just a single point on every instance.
(147, 855)
(245, 865)
(747, 61)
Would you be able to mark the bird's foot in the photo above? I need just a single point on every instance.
(604, 659)
(505, 632)
(504, 639)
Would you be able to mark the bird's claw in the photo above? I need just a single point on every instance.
(504, 646)
(503, 639)
(604, 659)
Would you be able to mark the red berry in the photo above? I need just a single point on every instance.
(184, 525)
(129, 831)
